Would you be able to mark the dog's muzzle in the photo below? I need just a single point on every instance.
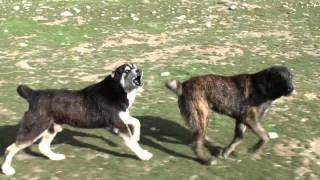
(290, 89)
(138, 80)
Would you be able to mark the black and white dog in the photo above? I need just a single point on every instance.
(102, 105)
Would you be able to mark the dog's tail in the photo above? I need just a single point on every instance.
(175, 86)
(26, 92)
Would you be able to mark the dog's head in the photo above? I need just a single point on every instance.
(278, 81)
(129, 76)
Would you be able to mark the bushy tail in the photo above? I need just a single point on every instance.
(175, 86)
(26, 92)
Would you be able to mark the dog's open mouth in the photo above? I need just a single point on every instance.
(138, 80)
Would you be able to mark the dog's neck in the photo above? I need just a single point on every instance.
(131, 96)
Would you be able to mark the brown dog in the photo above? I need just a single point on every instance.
(244, 97)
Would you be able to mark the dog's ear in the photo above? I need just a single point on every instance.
(261, 82)
(116, 75)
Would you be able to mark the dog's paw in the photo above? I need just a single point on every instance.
(8, 170)
(145, 155)
(57, 157)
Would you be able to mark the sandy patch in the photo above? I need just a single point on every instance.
(25, 37)
(310, 151)
(57, 22)
(39, 18)
(83, 48)
(287, 35)
(213, 53)
(78, 19)
(313, 50)
(135, 37)
(89, 156)
(110, 66)
(311, 96)
(22, 157)
(6, 112)
(23, 65)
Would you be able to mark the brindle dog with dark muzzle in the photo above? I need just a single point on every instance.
(244, 97)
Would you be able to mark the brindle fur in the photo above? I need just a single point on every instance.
(244, 97)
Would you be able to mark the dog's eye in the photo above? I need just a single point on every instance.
(127, 71)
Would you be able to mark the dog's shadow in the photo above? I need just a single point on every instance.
(155, 132)
(67, 136)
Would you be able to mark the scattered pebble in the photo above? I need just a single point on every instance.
(165, 74)
(232, 7)
(76, 10)
(191, 21)
(273, 135)
(115, 18)
(135, 18)
(22, 44)
(182, 17)
(304, 119)
(208, 24)
(66, 14)
(16, 8)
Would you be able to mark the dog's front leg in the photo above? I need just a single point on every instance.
(134, 146)
(135, 123)
(136, 128)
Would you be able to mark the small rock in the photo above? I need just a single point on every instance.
(191, 21)
(304, 119)
(165, 74)
(182, 17)
(115, 18)
(66, 14)
(16, 8)
(5, 30)
(88, 7)
(154, 12)
(22, 44)
(232, 7)
(245, 5)
(135, 18)
(76, 10)
(273, 135)
(208, 24)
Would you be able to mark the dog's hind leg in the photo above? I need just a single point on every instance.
(237, 139)
(31, 129)
(200, 124)
(14, 148)
(6, 167)
(44, 145)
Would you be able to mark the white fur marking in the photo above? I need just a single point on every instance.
(135, 147)
(6, 167)
(131, 96)
(127, 119)
(44, 145)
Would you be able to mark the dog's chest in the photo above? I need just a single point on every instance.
(131, 96)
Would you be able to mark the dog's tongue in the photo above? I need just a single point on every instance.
(140, 91)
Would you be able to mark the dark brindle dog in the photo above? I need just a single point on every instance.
(102, 105)
(244, 97)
